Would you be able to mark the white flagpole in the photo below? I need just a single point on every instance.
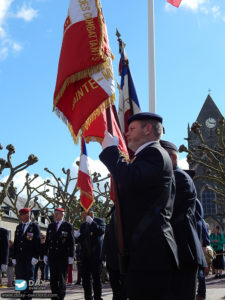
(151, 57)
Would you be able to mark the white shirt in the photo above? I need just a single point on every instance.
(25, 226)
(143, 146)
(59, 224)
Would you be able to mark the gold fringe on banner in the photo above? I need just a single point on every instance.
(87, 209)
(93, 116)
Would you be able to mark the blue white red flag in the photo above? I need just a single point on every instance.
(128, 100)
(84, 181)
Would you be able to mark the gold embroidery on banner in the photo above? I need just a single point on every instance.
(78, 76)
(84, 89)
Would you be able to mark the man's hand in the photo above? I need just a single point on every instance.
(89, 219)
(70, 260)
(45, 259)
(77, 233)
(109, 140)
(4, 267)
(14, 261)
(34, 261)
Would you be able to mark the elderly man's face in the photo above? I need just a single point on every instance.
(136, 135)
(24, 217)
(58, 215)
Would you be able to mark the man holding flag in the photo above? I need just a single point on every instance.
(146, 195)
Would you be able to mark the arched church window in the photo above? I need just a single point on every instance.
(207, 202)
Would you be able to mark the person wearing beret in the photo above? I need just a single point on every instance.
(146, 191)
(190, 252)
(26, 248)
(90, 236)
(59, 252)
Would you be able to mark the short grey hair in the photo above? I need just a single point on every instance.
(156, 126)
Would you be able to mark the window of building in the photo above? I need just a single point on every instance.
(207, 202)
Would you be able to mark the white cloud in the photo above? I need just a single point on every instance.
(216, 11)
(4, 8)
(2, 33)
(204, 10)
(7, 44)
(183, 164)
(193, 4)
(27, 13)
(3, 53)
(16, 47)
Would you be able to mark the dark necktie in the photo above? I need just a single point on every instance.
(56, 225)
(23, 225)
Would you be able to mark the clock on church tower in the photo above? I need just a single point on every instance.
(210, 122)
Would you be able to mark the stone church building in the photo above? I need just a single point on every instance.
(208, 117)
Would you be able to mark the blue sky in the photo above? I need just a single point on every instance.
(190, 59)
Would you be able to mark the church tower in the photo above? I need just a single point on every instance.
(208, 117)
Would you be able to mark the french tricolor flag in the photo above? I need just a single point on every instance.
(128, 100)
(84, 181)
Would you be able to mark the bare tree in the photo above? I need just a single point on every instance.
(42, 198)
(7, 164)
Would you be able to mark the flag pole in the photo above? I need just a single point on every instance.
(151, 57)
(123, 259)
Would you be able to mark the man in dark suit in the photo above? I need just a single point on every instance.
(4, 249)
(184, 224)
(59, 252)
(146, 196)
(26, 248)
(90, 238)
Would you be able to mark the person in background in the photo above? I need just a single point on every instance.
(70, 274)
(40, 265)
(111, 257)
(78, 261)
(10, 270)
(205, 241)
(217, 241)
(90, 237)
(26, 249)
(4, 250)
(183, 221)
(59, 252)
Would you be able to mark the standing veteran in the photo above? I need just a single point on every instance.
(59, 252)
(26, 248)
(90, 238)
(146, 195)
(190, 251)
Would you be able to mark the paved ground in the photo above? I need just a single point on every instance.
(215, 290)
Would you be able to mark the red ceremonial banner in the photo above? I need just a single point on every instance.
(85, 78)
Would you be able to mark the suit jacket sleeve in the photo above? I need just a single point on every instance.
(146, 171)
(98, 226)
(71, 242)
(36, 241)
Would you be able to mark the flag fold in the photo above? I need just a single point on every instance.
(84, 181)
